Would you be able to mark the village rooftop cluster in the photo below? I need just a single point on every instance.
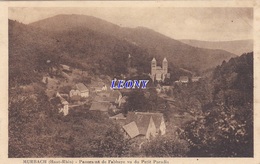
(69, 87)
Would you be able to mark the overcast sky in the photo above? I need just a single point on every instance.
(209, 24)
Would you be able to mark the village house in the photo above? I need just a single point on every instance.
(107, 100)
(98, 86)
(65, 68)
(84, 92)
(100, 106)
(131, 130)
(163, 88)
(112, 96)
(184, 79)
(103, 94)
(195, 78)
(81, 90)
(75, 93)
(144, 124)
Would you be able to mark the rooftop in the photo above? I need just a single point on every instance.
(81, 87)
(131, 129)
(100, 106)
(157, 117)
(184, 78)
(142, 120)
(118, 116)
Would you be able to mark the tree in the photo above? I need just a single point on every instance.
(224, 132)
(166, 146)
(225, 128)
(29, 125)
(112, 144)
(135, 101)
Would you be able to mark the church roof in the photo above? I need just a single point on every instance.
(153, 59)
(164, 59)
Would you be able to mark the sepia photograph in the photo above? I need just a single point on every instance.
(139, 82)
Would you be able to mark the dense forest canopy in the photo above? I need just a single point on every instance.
(226, 126)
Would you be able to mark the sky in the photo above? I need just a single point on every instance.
(207, 24)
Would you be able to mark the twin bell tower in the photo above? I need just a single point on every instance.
(159, 73)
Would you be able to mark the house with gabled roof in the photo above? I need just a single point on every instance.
(98, 86)
(184, 79)
(100, 106)
(109, 96)
(100, 99)
(84, 91)
(158, 121)
(148, 124)
(65, 68)
(105, 102)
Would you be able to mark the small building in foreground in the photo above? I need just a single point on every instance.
(144, 124)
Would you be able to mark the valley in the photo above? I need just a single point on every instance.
(61, 103)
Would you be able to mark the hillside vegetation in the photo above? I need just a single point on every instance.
(97, 53)
(224, 124)
(154, 43)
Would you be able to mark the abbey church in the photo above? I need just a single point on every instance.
(159, 73)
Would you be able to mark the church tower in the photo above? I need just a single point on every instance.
(153, 67)
(165, 66)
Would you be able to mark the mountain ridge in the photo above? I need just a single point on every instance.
(155, 43)
(30, 48)
(237, 47)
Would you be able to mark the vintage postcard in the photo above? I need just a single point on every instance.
(147, 82)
